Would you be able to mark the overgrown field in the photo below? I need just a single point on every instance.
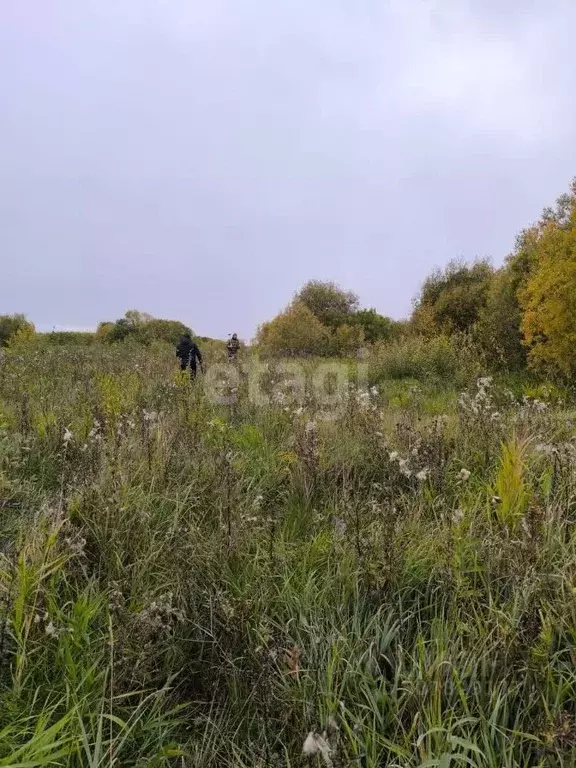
(183, 582)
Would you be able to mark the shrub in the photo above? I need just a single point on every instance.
(451, 300)
(142, 328)
(498, 328)
(10, 325)
(67, 338)
(442, 358)
(296, 331)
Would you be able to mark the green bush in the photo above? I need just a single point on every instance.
(66, 338)
(141, 328)
(11, 325)
(445, 358)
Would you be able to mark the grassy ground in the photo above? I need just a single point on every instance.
(187, 583)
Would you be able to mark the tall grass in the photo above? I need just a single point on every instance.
(184, 583)
(440, 358)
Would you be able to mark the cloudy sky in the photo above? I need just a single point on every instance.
(201, 159)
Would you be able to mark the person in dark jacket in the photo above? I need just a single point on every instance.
(188, 353)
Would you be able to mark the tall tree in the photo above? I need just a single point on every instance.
(157, 329)
(452, 299)
(499, 325)
(376, 327)
(329, 303)
(295, 331)
(548, 295)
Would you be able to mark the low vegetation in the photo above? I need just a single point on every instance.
(385, 577)
(359, 552)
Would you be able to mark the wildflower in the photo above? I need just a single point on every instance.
(159, 617)
(423, 474)
(363, 400)
(67, 436)
(374, 391)
(76, 545)
(116, 600)
(51, 630)
(464, 474)
(316, 744)
(310, 744)
(457, 516)
(394, 456)
(340, 526)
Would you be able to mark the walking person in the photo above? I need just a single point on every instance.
(233, 347)
(189, 354)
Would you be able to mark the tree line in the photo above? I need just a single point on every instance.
(522, 314)
(139, 327)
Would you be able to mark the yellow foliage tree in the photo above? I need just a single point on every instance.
(103, 330)
(11, 325)
(548, 298)
(23, 337)
(295, 331)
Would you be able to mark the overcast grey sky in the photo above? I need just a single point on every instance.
(201, 159)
